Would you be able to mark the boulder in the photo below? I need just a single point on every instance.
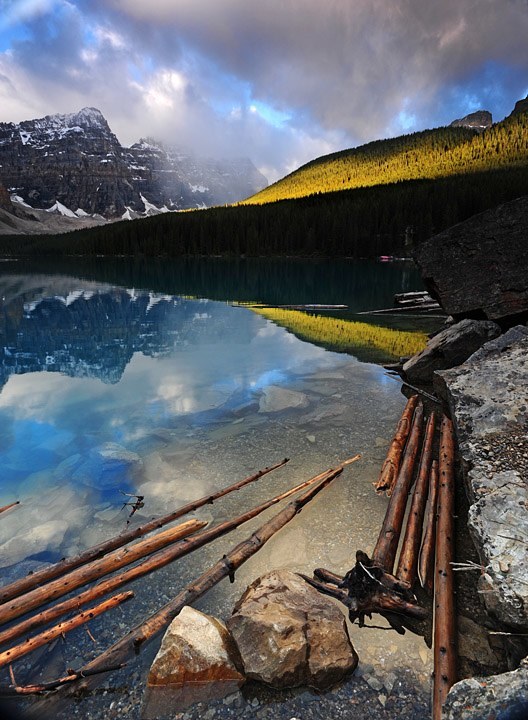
(450, 348)
(276, 398)
(197, 662)
(479, 268)
(488, 398)
(502, 696)
(288, 634)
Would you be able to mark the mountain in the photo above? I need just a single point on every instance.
(521, 106)
(464, 147)
(74, 165)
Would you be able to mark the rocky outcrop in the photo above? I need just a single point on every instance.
(289, 635)
(521, 106)
(488, 399)
(479, 120)
(502, 696)
(449, 348)
(479, 268)
(197, 662)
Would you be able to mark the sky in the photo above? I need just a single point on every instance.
(278, 81)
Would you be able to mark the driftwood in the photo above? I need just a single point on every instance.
(387, 544)
(138, 637)
(41, 688)
(426, 565)
(408, 560)
(4, 508)
(95, 570)
(444, 628)
(14, 653)
(391, 466)
(156, 561)
(59, 569)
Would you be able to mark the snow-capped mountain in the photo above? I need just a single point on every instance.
(75, 166)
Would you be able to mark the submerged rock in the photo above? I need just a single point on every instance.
(108, 464)
(450, 348)
(276, 398)
(195, 663)
(288, 634)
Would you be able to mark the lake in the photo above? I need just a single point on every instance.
(157, 380)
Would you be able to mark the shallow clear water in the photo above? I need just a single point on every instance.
(106, 389)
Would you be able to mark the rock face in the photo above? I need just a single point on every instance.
(488, 398)
(499, 696)
(479, 120)
(449, 348)
(521, 106)
(479, 268)
(75, 165)
(290, 635)
(195, 663)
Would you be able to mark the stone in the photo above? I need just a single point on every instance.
(488, 399)
(275, 399)
(290, 635)
(478, 268)
(449, 348)
(108, 464)
(502, 696)
(197, 662)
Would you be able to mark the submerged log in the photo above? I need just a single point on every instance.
(97, 551)
(138, 637)
(40, 688)
(14, 653)
(95, 570)
(155, 562)
(5, 508)
(427, 553)
(408, 560)
(444, 627)
(387, 544)
(391, 466)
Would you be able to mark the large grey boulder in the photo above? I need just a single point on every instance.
(479, 268)
(488, 398)
(288, 634)
(503, 697)
(450, 348)
(197, 662)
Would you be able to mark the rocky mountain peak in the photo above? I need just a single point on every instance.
(479, 120)
(521, 106)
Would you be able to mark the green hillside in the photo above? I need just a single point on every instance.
(430, 154)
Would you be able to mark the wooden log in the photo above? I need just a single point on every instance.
(387, 544)
(131, 644)
(391, 466)
(328, 576)
(444, 627)
(5, 508)
(427, 553)
(154, 562)
(40, 688)
(15, 653)
(59, 569)
(95, 570)
(408, 560)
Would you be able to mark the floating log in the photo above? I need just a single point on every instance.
(408, 560)
(51, 572)
(95, 570)
(444, 627)
(15, 653)
(5, 508)
(427, 554)
(154, 562)
(387, 544)
(391, 466)
(138, 637)
(17, 690)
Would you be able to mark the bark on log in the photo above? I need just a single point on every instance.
(408, 560)
(5, 508)
(133, 641)
(427, 554)
(387, 544)
(95, 570)
(59, 569)
(156, 561)
(444, 629)
(18, 651)
(391, 466)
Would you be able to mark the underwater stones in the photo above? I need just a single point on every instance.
(275, 399)
(33, 541)
(107, 464)
(195, 663)
(288, 634)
